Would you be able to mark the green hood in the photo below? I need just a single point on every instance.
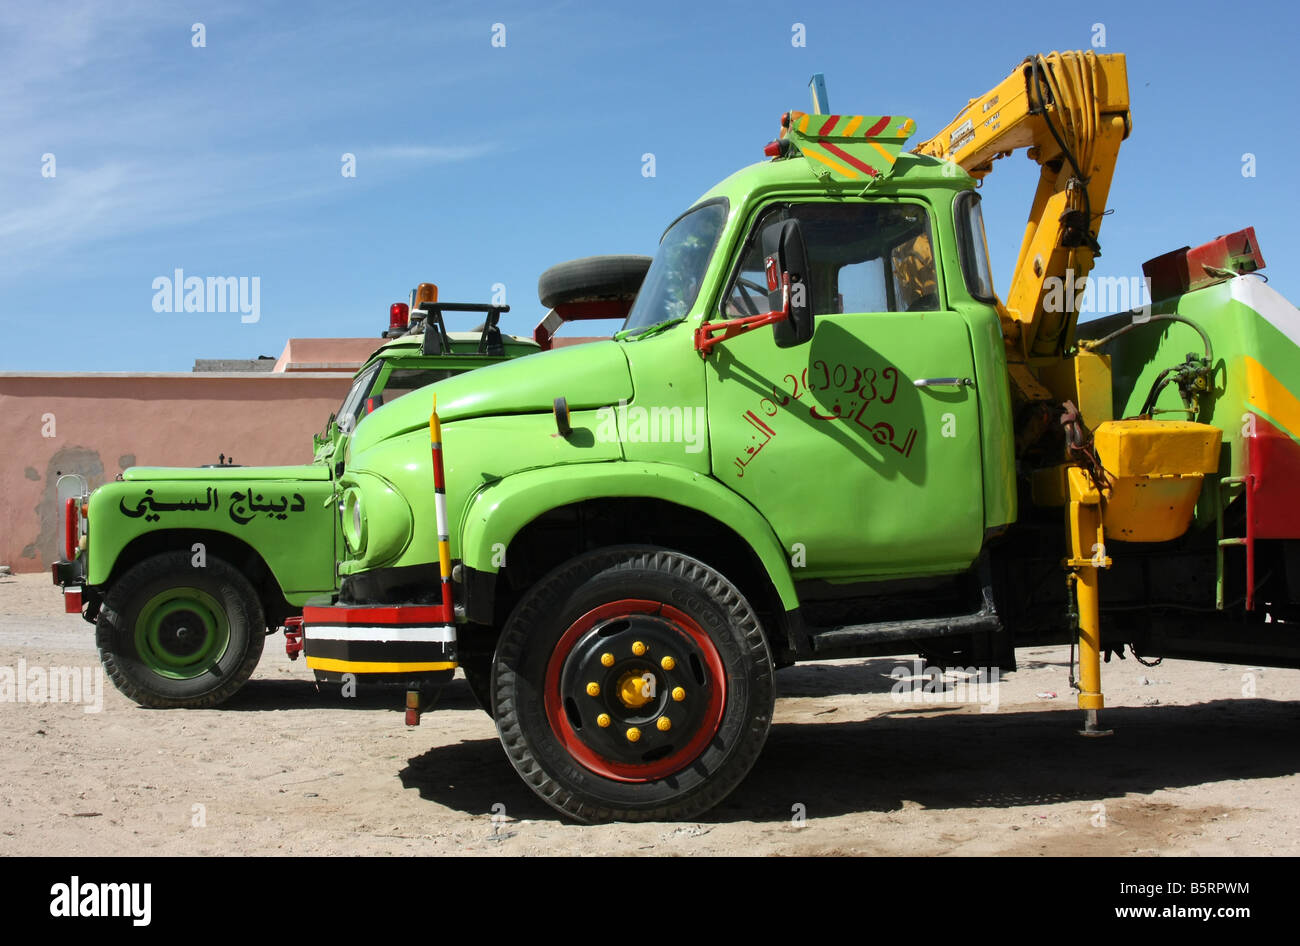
(587, 376)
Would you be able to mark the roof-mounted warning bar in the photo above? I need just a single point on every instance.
(844, 147)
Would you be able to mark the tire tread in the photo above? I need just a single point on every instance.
(109, 629)
(535, 607)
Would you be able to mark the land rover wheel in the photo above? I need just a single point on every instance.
(174, 635)
(633, 684)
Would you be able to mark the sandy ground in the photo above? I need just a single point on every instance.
(1196, 767)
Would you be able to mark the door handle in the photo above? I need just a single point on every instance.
(944, 383)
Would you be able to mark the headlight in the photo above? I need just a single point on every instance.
(354, 522)
(376, 522)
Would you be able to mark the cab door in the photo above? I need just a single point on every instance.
(861, 447)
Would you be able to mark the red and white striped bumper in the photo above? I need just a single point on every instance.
(406, 645)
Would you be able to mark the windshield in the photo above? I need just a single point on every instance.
(350, 412)
(675, 276)
(405, 380)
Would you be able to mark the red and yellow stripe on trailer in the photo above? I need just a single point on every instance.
(409, 645)
(849, 147)
(1272, 468)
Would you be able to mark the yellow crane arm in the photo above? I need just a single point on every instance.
(1071, 110)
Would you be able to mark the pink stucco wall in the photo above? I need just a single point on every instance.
(99, 424)
(326, 354)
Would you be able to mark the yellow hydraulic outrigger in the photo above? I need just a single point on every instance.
(1071, 111)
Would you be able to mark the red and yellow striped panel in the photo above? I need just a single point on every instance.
(850, 147)
(1271, 398)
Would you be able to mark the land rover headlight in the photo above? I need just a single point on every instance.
(376, 522)
(354, 521)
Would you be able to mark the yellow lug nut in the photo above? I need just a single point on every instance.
(668, 663)
(664, 724)
(679, 694)
(633, 734)
(602, 720)
(607, 660)
(639, 648)
(593, 689)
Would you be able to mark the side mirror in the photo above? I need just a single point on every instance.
(787, 255)
(789, 294)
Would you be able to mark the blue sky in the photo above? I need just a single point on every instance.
(478, 165)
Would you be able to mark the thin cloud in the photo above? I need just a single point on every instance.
(152, 135)
(428, 154)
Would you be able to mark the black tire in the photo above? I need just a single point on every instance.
(552, 636)
(222, 663)
(593, 279)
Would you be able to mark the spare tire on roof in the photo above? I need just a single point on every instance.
(592, 279)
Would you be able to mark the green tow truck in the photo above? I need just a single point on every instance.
(821, 434)
(184, 572)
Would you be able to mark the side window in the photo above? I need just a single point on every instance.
(865, 257)
(748, 295)
(973, 246)
(916, 286)
(861, 288)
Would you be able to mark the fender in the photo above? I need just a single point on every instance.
(501, 509)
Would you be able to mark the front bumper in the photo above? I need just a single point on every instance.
(405, 645)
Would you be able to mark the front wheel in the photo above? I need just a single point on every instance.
(172, 634)
(633, 684)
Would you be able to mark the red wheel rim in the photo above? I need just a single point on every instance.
(679, 758)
